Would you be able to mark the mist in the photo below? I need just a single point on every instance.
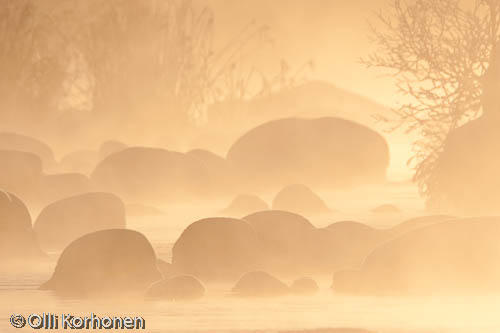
(250, 166)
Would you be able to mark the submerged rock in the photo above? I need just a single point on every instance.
(259, 284)
(299, 199)
(178, 288)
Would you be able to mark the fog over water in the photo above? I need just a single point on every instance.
(252, 166)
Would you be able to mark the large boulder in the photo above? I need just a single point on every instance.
(17, 239)
(18, 142)
(151, 175)
(59, 186)
(221, 172)
(259, 284)
(216, 249)
(456, 256)
(341, 245)
(326, 152)
(465, 179)
(178, 288)
(299, 199)
(110, 147)
(105, 263)
(65, 220)
(20, 173)
(415, 223)
(284, 239)
(245, 204)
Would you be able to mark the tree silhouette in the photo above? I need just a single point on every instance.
(32, 71)
(149, 65)
(438, 51)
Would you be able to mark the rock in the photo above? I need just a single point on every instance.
(355, 232)
(259, 284)
(216, 249)
(341, 245)
(65, 220)
(142, 210)
(465, 177)
(245, 204)
(20, 173)
(105, 263)
(221, 172)
(80, 161)
(166, 269)
(283, 236)
(22, 143)
(304, 286)
(150, 175)
(452, 257)
(17, 240)
(110, 147)
(330, 153)
(179, 288)
(59, 186)
(299, 199)
(416, 223)
(386, 209)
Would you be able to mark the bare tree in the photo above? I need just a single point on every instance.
(438, 52)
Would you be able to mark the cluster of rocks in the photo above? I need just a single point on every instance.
(84, 215)
(296, 198)
(434, 254)
(271, 156)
